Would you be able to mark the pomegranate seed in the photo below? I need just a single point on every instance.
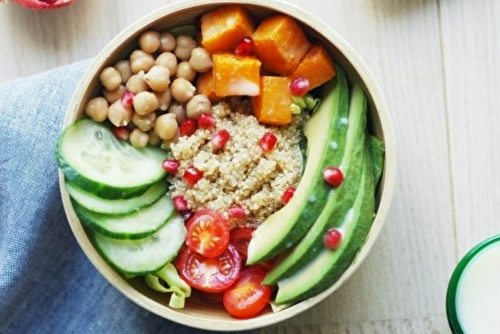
(333, 176)
(180, 203)
(206, 121)
(220, 139)
(187, 214)
(236, 211)
(171, 166)
(300, 86)
(268, 141)
(127, 99)
(188, 127)
(332, 238)
(287, 195)
(121, 132)
(192, 175)
(245, 48)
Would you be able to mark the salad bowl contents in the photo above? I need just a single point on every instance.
(227, 162)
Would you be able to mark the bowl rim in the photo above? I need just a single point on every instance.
(387, 183)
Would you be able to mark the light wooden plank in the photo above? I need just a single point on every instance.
(471, 49)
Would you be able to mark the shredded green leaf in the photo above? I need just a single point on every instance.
(168, 280)
(187, 29)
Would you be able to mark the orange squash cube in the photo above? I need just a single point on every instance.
(235, 76)
(280, 44)
(205, 86)
(224, 28)
(317, 66)
(272, 106)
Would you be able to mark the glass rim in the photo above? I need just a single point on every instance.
(451, 293)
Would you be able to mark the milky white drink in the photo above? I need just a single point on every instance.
(478, 293)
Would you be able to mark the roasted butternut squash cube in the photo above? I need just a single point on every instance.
(280, 44)
(235, 76)
(272, 106)
(317, 66)
(205, 86)
(224, 28)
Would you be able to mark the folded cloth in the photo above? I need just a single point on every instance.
(47, 285)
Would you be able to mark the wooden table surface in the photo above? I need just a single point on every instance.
(436, 61)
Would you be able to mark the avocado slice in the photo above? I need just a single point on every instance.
(326, 134)
(340, 200)
(328, 265)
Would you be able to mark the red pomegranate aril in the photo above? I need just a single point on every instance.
(127, 99)
(333, 176)
(245, 48)
(220, 139)
(332, 238)
(287, 195)
(171, 166)
(186, 215)
(188, 127)
(236, 211)
(192, 175)
(206, 121)
(300, 86)
(180, 203)
(121, 132)
(268, 141)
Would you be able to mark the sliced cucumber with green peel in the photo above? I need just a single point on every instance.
(144, 256)
(327, 267)
(137, 225)
(116, 206)
(92, 158)
(341, 198)
(326, 135)
(377, 149)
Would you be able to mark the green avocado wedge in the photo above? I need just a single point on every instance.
(340, 199)
(328, 265)
(326, 135)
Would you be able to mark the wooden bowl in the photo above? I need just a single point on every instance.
(201, 313)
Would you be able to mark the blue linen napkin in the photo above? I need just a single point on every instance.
(47, 285)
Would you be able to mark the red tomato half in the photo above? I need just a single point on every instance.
(43, 4)
(240, 238)
(208, 233)
(210, 274)
(248, 296)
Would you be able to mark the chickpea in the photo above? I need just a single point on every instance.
(182, 90)
(149, 41)
(145, 102)
(136, 83)
(138, 138)
(185, 44)
(164, 99)
(154, 139)
(158, 78)
(119, 115)
(114, 95)
(141, 61)
(185, 71)
(200, 60)
(97, 109)
(166, 126)
(123, 67)
(167, 42)
(168, 60)
(179, 110)
(198, 105)
(144, 122)
(110, 78)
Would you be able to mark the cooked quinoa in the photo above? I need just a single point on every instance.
(240, 173)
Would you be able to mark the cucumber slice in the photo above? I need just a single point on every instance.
(144, 256)
(116, 206)
(91, 157)
(137, 225)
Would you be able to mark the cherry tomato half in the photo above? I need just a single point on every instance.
(210, 274)
(208, 233)
(248, 296)
(240, 238)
